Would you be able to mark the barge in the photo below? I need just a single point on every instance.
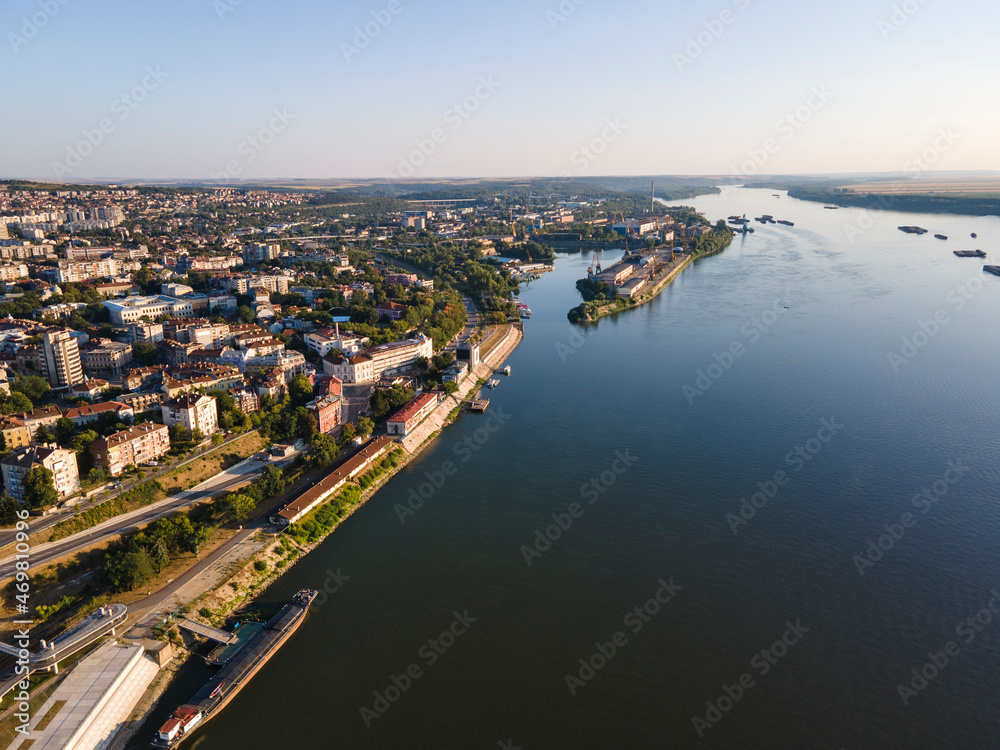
(970, 253)
(228, 681)
(995, 270)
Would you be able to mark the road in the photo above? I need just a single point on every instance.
(356, 397)
(471, 324)
(43, 554)
(40, 523)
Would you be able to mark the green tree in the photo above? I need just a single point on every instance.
(32, 386)
(245, 314)
(15, 403)
(365, 427)
(146, 353)
(239, 506)
(451, 387)
(271, 481)
(64, 430)
(300, 389)
(44, 435)
(323, 449)
(305, 423)
(39, 488)
(347, 433)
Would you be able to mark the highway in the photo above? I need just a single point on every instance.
(234, 476)
(40, 523)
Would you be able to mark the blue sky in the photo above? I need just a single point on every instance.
(692, 88)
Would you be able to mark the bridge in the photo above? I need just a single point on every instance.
(207, 631)
(100, 623)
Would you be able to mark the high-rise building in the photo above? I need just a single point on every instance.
(62, 359)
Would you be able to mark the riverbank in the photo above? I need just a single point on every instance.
(266, 556)
(587, 312)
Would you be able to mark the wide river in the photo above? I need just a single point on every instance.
(763, 510)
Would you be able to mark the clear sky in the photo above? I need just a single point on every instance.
(706, 87)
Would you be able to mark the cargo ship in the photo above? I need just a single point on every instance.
(228, 681)
(970, 253)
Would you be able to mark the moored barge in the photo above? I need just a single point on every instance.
(228, 681)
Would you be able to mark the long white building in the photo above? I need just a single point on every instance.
(132, 309)
(395, 358)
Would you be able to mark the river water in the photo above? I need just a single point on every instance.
(827, 373)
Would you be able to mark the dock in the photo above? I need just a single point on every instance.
(206, 631)
(480, 405)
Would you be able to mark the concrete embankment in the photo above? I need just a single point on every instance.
(483, 371)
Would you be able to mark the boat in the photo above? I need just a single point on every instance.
(238, 671)
(913, 230)
(970, 253)
(506, 370)
(492, 383)
(941, 236)
(995, 270)
(786, 223)
(974, 235)
(831, 208)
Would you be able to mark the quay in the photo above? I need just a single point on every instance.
(480, 405)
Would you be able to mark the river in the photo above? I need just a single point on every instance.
(827, 373)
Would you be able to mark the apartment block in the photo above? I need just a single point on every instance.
(133, 447)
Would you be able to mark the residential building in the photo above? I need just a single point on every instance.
(246, 400)
(134, 309)
(149, 333)
(83, 415)
(143, 378)
(13, 271)
(140, 402)
(60, 359)
(90, 388)
(406, 279)
(289, 364)
(404, 420)
(102, 357)
(45, 416)
(194, 411)
(391, 311)
(15, 434)
(327, 410)
(133, 447)
(62, 464)
(85, 270)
